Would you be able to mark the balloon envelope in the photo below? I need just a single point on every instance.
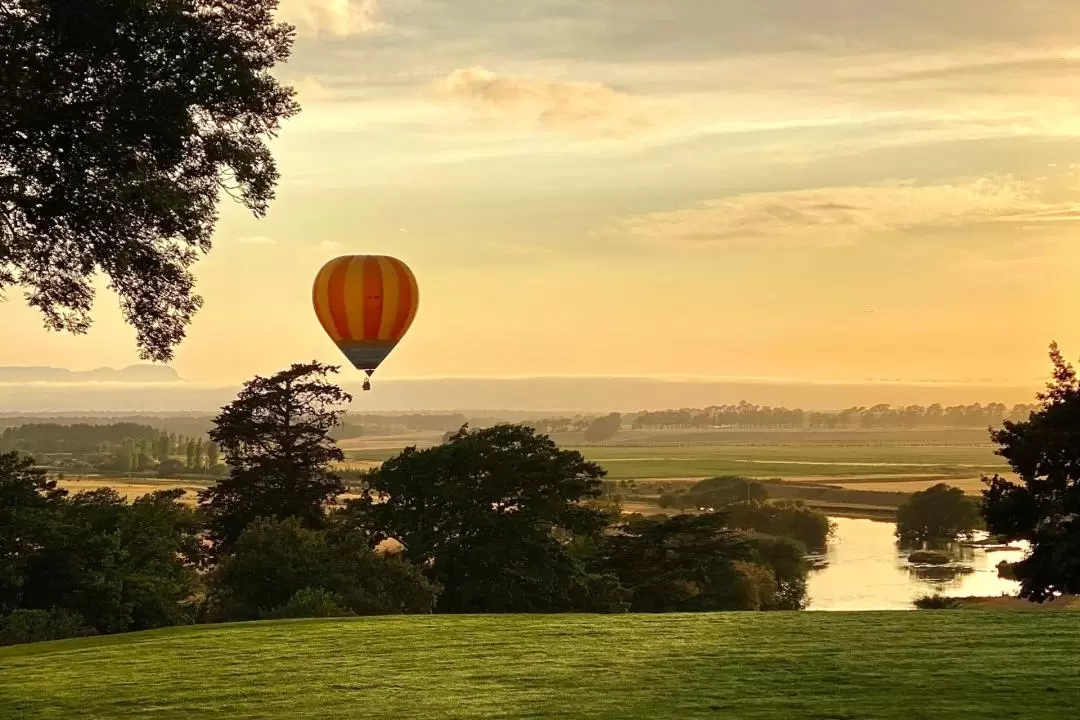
(366, 304)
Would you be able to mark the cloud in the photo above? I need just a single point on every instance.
(340, 18)
(843, 215)
(256, 240)
(558, 106)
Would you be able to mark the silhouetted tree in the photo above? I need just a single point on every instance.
(723, 490)
(121, 121)
(495, 516)
(276, 441)
(163, 449)
(211, 456)
(938, 514)
(1044, 507)
(603, 428)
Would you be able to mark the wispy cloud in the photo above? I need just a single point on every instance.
(561, 106)
(256, 240)
(842, 215)
(330, 17)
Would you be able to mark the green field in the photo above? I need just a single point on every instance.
(786, 454)
(943, 665)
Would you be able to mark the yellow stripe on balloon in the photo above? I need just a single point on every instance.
(391, 298)
(321, 298)
(415, 297)
(354, 298)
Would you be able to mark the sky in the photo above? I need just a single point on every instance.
(828, 191)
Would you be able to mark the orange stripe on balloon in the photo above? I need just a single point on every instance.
(354, 298)
(391, 298)
(406, 300)
(337, 298)
(373, 298)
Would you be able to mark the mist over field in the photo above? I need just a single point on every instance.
(51, 390)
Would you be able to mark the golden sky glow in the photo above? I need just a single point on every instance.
(825, 191)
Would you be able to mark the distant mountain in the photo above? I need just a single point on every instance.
(130, 374)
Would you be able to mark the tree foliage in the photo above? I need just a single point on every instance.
(1044, 507)
(121, 122)
(720, 491)
(279, 568)
(603, 428)
(276, 441)
(940, 513)
(114, 565)
(697, 563)
(493, 516)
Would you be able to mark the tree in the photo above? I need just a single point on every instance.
(113, 565)
(726, 489)
(276, 440)
(121, 123)
(163, 449)
(497, 517)
(686, 563)
(29, 501)
(190, 455)
(198, 454)
(938, 514)
(211, 456)
(274, 561)
(1044, 507)
(603, 428)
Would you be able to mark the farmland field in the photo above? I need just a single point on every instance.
(880, 461)
(924, 456)
(764, 666)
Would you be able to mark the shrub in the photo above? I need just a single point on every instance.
(937, 602)
(29, 626)
(312, 603)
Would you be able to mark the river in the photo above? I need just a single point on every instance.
(865, 570)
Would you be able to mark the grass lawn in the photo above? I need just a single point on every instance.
(769, 666)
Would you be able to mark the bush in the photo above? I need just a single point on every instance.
(275, 561)
(937, 602)
(30, 626)
(312, 603)
(788, 519)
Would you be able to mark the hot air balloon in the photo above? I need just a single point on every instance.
(366, 304)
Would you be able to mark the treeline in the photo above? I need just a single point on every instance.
(746, 416)
(118, 447)
(493, 520)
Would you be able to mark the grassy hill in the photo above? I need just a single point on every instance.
(768, 666)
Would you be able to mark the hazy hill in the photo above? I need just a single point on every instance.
(130, 374)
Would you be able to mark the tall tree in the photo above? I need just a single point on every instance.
(121, 122)
(1044, 507)
(163, 449)
(494, 516)
(198, 454)
(276, 440)
(211, 456)
(191, 454)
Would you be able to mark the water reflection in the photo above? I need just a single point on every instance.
(864, 569)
